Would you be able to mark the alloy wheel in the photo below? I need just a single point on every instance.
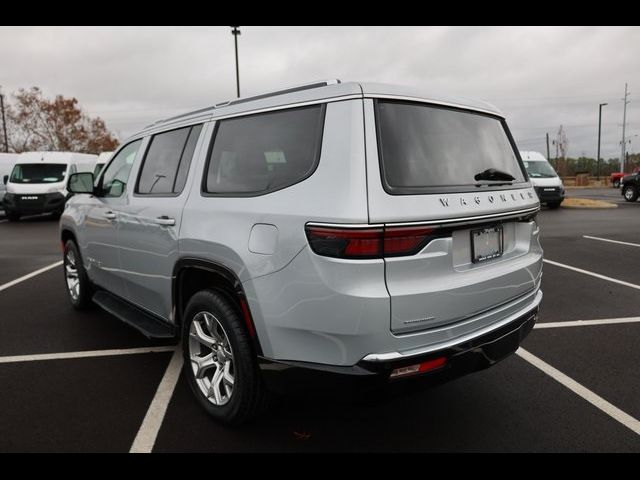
(211, 358)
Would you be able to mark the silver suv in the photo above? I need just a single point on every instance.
(334, 233)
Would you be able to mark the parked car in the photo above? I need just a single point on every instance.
(631, 186)
(544, 178)
(7, 160)
(333, 235)
(616, 177)
(37, 183)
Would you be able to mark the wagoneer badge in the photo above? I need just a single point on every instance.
(444, 201)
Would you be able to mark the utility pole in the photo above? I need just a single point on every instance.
(599, 130)
(548, 156)
(235, 31)
(624, 126)
(4, 124)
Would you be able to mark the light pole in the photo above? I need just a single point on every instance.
(235, 31)
(599, 130)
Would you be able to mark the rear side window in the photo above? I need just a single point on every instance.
(166, 164)
(264, 152)
(429, 148)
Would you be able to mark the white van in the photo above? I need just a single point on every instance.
(37, 182)
(544, 178)
(102, 160)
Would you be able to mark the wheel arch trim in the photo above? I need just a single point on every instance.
(228, 275)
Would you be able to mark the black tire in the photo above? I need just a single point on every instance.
(249, 397)
(13, 217)
(630, 193)
(553, 205)
(616, 184)
(82, 300)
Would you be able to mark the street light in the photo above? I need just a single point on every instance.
(599, 130)
(235, 31)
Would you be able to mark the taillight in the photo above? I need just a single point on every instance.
(363, 243)
(406, 240)
(346, 242)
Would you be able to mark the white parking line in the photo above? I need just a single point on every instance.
(29, 275)
(148, 432)
(584, 323)
(593, 274)
(83, 354)
(597, 401)
(611, 241)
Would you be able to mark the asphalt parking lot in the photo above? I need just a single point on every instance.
(85, 382)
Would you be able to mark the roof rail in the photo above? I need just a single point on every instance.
(297, 88)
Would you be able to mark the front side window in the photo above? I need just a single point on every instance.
(430, 148)
(264, 152)
(38, 173)
(166, 164)
(115, 177)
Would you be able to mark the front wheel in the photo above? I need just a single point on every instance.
(75, 276)
(220, 364)
(630, 193)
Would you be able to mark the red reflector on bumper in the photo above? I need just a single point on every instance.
(419, 368)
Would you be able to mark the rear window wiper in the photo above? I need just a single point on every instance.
(492, 176)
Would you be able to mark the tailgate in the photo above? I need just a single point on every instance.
(442, 284)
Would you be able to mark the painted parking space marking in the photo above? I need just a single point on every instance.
(84, 354)
(611, 241)
(593, 274)
(148, 432)
(29, 275)
(597, 401)
(584, 323)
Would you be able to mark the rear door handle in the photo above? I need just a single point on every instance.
(165, 221)
(110, 215)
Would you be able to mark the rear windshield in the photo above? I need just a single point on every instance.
(426, 148)
(539, 169)
(38, 173)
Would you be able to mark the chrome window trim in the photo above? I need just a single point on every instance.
(490, 216)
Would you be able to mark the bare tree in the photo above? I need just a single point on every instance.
(561, 143)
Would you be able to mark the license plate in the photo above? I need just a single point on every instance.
(486, 243)
(30, 197)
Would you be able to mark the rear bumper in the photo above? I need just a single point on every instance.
(466, 356)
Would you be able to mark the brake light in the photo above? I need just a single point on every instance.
(363, 243)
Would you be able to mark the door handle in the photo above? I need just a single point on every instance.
(165, 221)
(110, 215)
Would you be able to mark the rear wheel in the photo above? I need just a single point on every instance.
(630, 193)
(76, 280)
(616, 183)
(220, 364)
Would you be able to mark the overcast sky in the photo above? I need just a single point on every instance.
(540, 77)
